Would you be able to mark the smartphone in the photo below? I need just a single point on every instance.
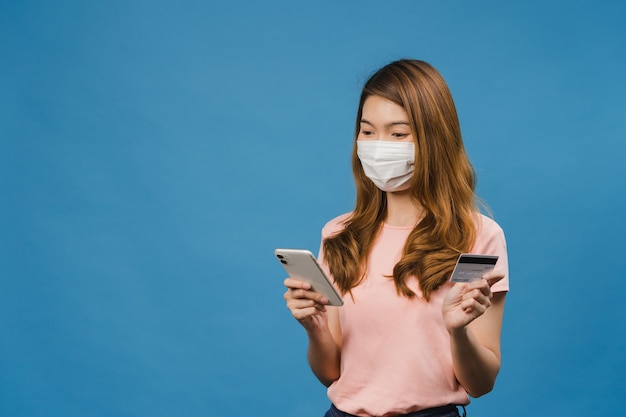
(471, 267)
(301, 264)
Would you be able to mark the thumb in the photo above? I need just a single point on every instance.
(493, 277)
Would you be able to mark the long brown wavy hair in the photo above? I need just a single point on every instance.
(443, 184)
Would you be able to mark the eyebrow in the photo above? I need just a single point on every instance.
(388, 124)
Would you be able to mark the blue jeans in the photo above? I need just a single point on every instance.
(445, 411)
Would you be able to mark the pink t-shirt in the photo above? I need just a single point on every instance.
(396, 355)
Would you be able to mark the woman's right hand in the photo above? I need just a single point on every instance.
(306, 306)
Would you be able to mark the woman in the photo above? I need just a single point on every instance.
(407, 341)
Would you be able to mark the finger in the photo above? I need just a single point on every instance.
(301, 314)
(300, 303)
(293, 294)
(476, 300)
(481, 285)
(296, 283)
(305, 305)
(476, 306)
(479, 295)
(458, 289)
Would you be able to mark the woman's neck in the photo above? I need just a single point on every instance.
(402, 210)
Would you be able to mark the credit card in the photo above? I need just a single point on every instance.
(471, 267)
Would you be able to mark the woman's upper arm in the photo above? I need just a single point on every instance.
(488, 328)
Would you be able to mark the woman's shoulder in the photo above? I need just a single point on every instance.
(488, 225)
(335, 225)
(489, 233)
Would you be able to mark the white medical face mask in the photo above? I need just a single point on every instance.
(388, 164)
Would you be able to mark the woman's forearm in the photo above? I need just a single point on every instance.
(473, 317)
(476, 367)
(324, 356)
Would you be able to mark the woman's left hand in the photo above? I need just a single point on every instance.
(467, 301)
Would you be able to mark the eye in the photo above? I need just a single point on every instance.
(400, 135)
(366, 132)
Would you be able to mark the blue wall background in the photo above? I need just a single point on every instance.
(154, 153)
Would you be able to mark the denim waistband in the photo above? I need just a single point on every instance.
(444, 411)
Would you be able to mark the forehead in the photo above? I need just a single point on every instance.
(379, 108)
